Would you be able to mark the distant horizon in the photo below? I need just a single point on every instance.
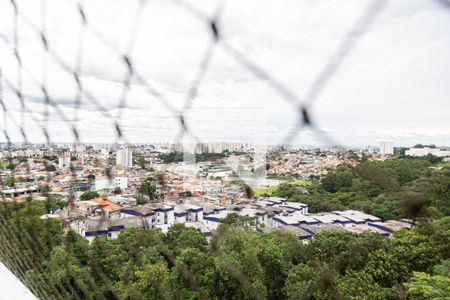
(226, 142)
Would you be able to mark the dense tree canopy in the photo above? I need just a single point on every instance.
(403, 187)
(239, 263)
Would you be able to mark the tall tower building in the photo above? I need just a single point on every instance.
(64, 161)
(386, 148)
(124, 157)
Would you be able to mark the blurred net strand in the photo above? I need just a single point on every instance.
(348, 43)
(21, 97)
(127, 60)
(444, 3)
(304, 113)
(5, 112)
(77, 78)
(21, 259)
(18, 265)
(77, 69)
(65, 66)
(44, 91)
(255, 69)
(25, 238)
(29, 241)
(46, 103)
(47, 100)
(19, 67)
(344, 50)
(201, 73)
(6, 115)
(17, 92)
(132, 76)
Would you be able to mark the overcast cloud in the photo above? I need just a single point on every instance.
(394, 85)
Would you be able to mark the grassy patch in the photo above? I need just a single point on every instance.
(443, 165)
(303, 183)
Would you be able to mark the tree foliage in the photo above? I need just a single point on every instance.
(424, 286)
(396, 188)
(89, 195)
(148, 188)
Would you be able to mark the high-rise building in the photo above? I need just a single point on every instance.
(64, 161)
(124, 157)
(386, 148)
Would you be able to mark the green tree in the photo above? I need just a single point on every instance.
(148, 188)
(440, 236)
(378, 175)
(343, 250)
(141, 162)
(65, 271)
(439, 189)
(340, 179)
(275, 269)
(442, 269)
(360, 285)
(89, 195)
(50, 168)
(415, 251)
(235, 271)
(424, 286)
(180, 237)
(187, 274)
(152, 281)
(9, 182)
(301, 282)
(385, 268)
(238, 220)
(27, 243)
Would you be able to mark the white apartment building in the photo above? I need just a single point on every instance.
(386, 148)
(427, 150)
(124, 157)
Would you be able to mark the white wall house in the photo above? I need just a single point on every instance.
(90, 228)
(153, 215)
(121, 182)
(188, 213)
(117, 182)
(296, 207)
(427, 150)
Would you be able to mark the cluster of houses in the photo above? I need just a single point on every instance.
(101, 216)
(198, 195)
(306, 163)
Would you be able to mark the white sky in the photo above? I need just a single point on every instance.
(394, 85)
